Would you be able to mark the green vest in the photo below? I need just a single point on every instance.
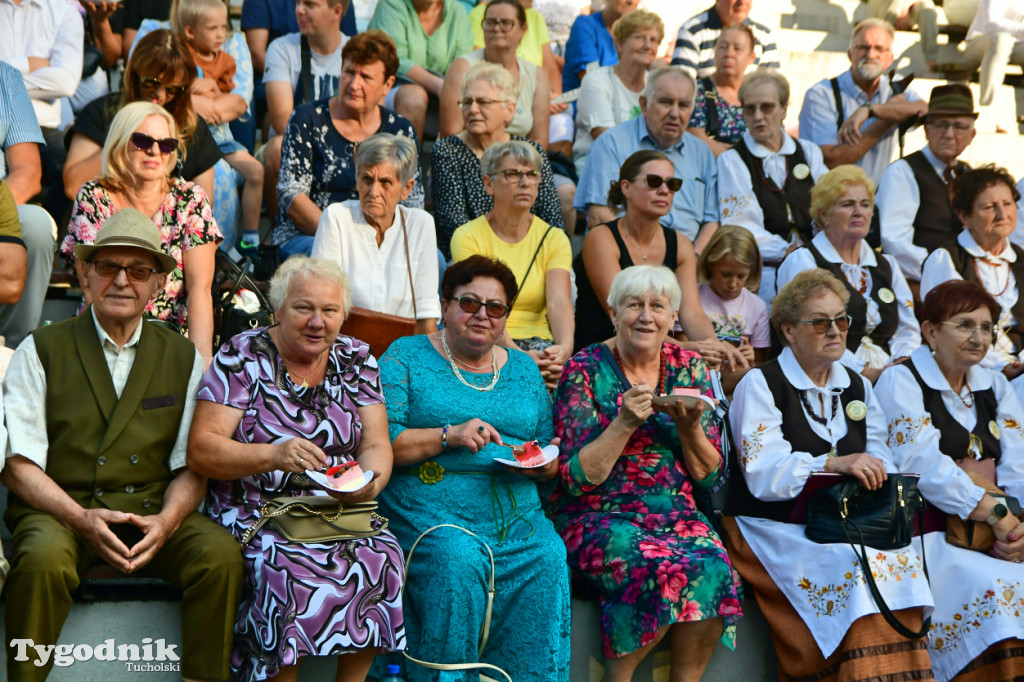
(104, 451)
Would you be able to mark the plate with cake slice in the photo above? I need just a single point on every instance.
(344, 478)
(529, 455)
(692, 397)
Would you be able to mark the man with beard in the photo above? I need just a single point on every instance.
(853, 117)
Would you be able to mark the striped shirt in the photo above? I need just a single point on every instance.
(17, 119)
(695, 44)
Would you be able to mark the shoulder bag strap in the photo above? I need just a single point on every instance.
(711, 124)
(876, 594)
(530, 267)
(840, 116)
(408, 262)
(307, 69)
(485, 631)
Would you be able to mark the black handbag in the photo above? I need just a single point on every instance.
(229, 319)
(881, 519)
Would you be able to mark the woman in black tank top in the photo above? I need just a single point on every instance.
(637, 238)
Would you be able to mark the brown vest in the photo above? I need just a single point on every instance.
(104, 451)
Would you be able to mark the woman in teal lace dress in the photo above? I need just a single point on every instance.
(624, 502)
(455, 401)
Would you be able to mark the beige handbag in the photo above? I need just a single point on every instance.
(484, 632)
(318, 518)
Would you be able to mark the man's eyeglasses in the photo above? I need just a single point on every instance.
(492, 308)
(966, 329)
(108, 269)
(504, 24)
(156, 84)
(516, 175)
(655, 181)
(144, 142)
(871, 48)
(823, 324)
(766, 108)
(480, 101)
(943, 126)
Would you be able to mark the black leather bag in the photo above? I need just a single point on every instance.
(229, 319)
(881, 519)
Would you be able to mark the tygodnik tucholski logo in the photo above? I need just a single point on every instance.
(149, 656)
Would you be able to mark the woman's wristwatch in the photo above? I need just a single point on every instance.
(997, 514)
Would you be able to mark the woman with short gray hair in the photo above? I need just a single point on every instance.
(388, 250)
(458, 188)
(541, 321)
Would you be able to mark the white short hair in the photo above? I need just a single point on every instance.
(281, 282)
(637, 280)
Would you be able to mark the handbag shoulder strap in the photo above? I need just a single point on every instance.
(306, 69)
(711, 124)
(485, 631)
(530, 266)
(408, 261)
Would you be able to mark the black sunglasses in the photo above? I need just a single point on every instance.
(471, 305)
(823, 324)
(156, 84)
(108, 269)
(655, 181)
(144, 142)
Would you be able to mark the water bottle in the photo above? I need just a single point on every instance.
(393, 675)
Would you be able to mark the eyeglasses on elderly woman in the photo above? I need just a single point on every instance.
(823, 324)
(966, 328)
(516, 175)
(471, 305)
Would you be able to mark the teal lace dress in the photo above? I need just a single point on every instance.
(447, 579)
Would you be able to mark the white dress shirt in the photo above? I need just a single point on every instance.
(995, 275)
(380, 274)
(50, 29)
(897, 203)
(907, 336)
(25, 396)
(823, 582)
(967, 584)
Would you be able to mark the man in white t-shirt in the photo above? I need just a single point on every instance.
(284, 80)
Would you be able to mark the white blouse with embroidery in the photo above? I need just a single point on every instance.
(824, 583)
(979, 598)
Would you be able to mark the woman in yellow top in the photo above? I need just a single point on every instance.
(541, 322)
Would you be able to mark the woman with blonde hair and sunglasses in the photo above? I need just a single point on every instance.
(139, 157)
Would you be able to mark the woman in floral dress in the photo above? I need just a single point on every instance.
(137, 174)
(624, 502)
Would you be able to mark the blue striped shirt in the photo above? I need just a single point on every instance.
(695, 44)
(17, 119)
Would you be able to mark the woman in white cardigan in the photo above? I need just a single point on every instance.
(388, 251)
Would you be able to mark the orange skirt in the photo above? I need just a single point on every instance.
(871, 650)
(1001, 662)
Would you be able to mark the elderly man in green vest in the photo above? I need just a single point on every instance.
(98, 418)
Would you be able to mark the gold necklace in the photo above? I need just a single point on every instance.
(633, 239)
(305, 379)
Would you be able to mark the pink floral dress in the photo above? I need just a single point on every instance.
(185, 220)
(638, 537)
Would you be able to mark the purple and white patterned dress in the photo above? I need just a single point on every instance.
(309, 599)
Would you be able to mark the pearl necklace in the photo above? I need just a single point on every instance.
(458, 373)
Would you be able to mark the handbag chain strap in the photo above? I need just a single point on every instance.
(869, 578)
(485, 631)
(266, 513)
(408, 262)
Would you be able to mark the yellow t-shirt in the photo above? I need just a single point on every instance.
(529, 316)
(531, 47)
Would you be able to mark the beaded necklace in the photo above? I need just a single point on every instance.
(813, 415)
(994, 265)
(458, 373)
(660, 389)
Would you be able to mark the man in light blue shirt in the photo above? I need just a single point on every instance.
(666, 106)
(863, 132)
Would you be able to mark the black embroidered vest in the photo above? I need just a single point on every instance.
(794, 196)
(935, 223)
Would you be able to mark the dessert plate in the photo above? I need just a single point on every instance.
(689, 401)
(320, 479)
(550, 452)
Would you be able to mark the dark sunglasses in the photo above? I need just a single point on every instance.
(156, 84)
(823, 324)
(471, 305)
(144, 142)
(656, 181)
(108, 269)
